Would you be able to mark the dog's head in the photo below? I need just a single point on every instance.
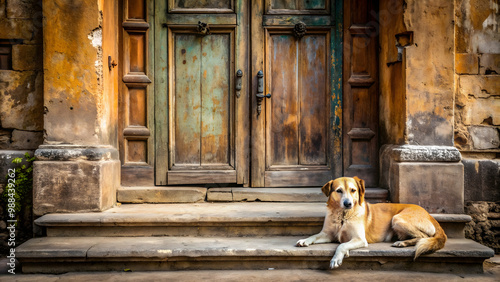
(345, 192)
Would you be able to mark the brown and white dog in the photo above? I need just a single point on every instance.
(354, 223)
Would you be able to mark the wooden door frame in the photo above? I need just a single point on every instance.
(258, 144)
(153, 170)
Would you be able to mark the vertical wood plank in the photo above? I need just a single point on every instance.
(215, 111)
(283, 117)
(336, 90)
(187, 54)
(313, 100)
(258, 122)
(242, 109)
(161, 112)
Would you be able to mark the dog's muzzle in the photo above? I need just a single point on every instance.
(347, 204)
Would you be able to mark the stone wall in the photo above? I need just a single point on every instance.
(21, 96)
(477, 71)
(21, 85)
(477, 114)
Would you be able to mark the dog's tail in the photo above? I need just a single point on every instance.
(431, 244)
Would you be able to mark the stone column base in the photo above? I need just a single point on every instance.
(429, 176)
(74, 179)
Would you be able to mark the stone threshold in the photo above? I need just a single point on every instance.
(56, 254)
(159, 194)
(207, 219)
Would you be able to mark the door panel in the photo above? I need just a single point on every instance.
(297, 112)
(202, 104)
(297, 6)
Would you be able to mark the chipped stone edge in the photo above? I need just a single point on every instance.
(415, 153)
(74, 153)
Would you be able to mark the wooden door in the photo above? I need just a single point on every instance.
(201, 118)
(296, 137)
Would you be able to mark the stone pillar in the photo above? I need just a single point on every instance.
(429, 176)
(77, 168)
(420, 165)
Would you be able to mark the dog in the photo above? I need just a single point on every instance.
(354, 223)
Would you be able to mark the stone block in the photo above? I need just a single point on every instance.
(23, 9)
(438, 187)
(27, 57)
(484, 137)
(479, 86)
(21, 100)
(220, 195)
(161, 194)
(26, 140)
(489, 64)
(74, 186)
(5, 136)
(6, 157)
(26, 29)
(466, 63)
(481, 179)
(476, 99)
(2, 9)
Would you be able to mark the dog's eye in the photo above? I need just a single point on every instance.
(353, 190)
(339, 191)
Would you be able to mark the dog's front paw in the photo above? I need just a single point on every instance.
(336, 261)
(302, 243)
(399, 244)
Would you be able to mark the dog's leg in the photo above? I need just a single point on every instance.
(358, 241)
(321, 237)
(412, 230)
(327, 235)
(344, 248)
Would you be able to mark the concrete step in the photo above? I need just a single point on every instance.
(207, 219)
(65, 254)
(231, 194)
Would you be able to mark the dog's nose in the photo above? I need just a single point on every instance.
(347, 204)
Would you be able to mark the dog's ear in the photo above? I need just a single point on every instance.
(327, 188)
(361, 189)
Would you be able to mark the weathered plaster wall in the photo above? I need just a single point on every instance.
(417, 88)
(77, 110)
(392, 69)
(21, 87)
(430, 72)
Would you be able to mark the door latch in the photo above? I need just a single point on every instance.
(260, 90)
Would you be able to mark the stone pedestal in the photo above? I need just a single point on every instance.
(429, 176)
(74, 179)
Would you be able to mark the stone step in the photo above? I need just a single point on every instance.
(207, 219)
(231, 194)
(66, 254)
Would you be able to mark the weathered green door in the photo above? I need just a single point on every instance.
(203, 119)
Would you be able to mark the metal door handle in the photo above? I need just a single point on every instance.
(260, 90)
